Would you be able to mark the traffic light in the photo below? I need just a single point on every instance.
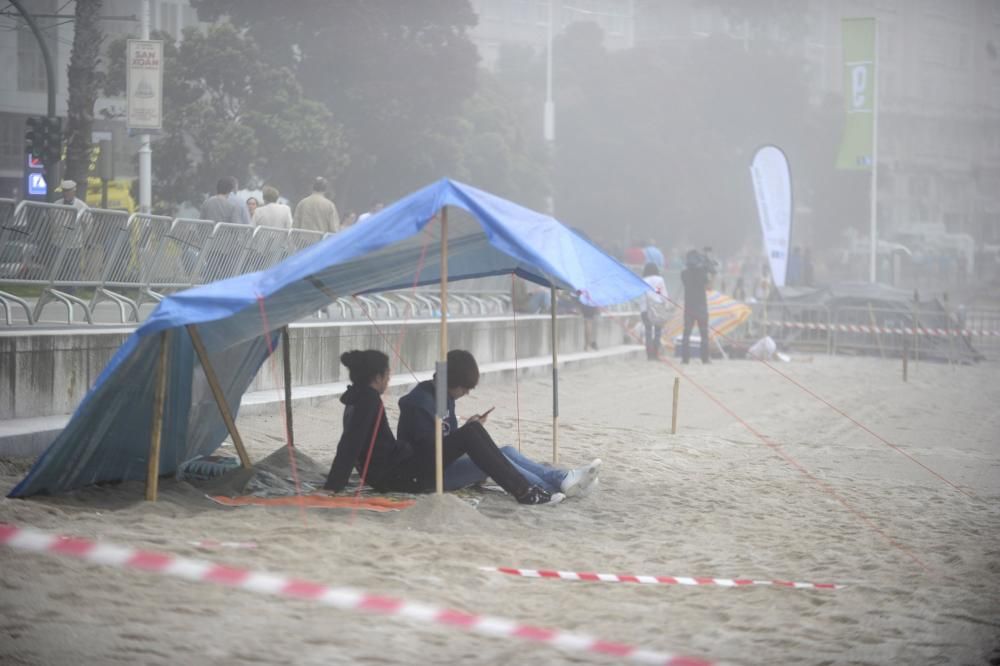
(33, 137)
(51, 149)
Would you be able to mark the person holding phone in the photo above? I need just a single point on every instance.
(416, 425)
(390, 464)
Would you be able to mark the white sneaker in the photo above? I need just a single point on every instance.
(591, 488)
(579, 479)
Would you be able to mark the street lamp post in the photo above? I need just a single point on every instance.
(550, 107)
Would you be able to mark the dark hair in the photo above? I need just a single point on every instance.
(364, 366)
(319, 185)
(463, 371)
(225, 185)
(270, 194)
(650, 269)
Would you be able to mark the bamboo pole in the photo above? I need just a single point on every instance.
(555, 381)
(906, 356)
(673, 415)
(153, 464)
(217, 393)
(874, 324)
(286, 358)
(443, 354)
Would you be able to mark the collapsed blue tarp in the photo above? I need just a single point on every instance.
(108, 437)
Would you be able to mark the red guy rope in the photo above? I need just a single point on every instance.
(293, 464)
(857, 423)
(794, 463)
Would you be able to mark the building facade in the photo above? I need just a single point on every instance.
(23, 85)
(938, 90)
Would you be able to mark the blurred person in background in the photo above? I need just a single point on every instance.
(272, 213)
(316, 212)
(695, 278)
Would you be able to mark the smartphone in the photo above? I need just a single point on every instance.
(487, 412)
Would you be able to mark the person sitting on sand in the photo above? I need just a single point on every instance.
(416, 425)
(388, 464)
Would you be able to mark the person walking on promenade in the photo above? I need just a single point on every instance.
(220, 207)
(272, 213)
(316, 212)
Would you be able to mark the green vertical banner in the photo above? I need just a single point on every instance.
(859, 94)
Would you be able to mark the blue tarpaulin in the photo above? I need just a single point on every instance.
(108, 437)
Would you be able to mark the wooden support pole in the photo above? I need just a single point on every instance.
(555, 381)
(286, 359)
(153, 465)
(438, 435)
(217, 393)
(874, 324)
(673, 416)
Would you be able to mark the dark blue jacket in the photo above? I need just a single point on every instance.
(416, 418)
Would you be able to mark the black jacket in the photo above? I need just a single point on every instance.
(363, 405)
(695, 279)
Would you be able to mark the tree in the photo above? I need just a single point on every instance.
(229, 113)
(85, 80)
(395, 74)
(502, 149)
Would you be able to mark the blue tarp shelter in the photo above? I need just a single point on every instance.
(108, 437)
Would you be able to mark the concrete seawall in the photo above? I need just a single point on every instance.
(45, 374)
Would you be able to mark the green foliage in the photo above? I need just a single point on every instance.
(229, 113)
(395, 74)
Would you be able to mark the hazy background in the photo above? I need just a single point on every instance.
(659, 106)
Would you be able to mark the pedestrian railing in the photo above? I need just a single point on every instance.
(51, 254)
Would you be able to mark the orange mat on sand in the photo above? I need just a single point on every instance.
(317, 502)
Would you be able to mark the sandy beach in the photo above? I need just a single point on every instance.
(775, 486)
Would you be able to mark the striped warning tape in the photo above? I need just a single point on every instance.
(338, 597)
(904, 330)
(661, 580)
(211, 544)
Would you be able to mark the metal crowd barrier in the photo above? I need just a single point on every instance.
(132, 260)
(982, 326)
(801, 326)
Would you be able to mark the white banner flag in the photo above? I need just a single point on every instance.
(144, 84)
(772, 185)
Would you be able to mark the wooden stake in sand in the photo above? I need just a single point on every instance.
(878, 338)
(555, 381)
(677, 395)
(286, 358)
(153, 465)
(442, 375)
(217, 393)
(906, 356)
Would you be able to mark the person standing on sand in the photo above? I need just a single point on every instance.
(695, 279)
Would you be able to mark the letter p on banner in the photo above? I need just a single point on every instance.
(859, 94)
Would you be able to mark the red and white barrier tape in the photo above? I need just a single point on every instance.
(338, 597)
(211, 544)
(660, 580)
(864, 328)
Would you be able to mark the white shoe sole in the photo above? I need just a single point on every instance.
(588, 476)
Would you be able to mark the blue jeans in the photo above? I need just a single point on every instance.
(463, 472)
